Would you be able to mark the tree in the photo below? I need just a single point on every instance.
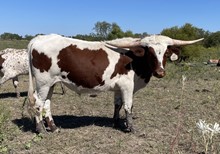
(102, 29)
(171, 32)
(128, 33)
(107, 31)
(116, 32)
(213, 40)
(140, 35)
(28, 37)
(10, 36)
(90, 37)
(186, 32)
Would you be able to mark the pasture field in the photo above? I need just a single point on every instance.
(165, 117)
(18, 44)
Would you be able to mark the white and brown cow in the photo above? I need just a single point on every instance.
(13, 63)
(122, 65)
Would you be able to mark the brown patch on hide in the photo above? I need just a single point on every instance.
(85, 67)
(1, 61)
(41, 61)
(120, 67)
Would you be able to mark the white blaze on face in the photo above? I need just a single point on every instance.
(159, 50)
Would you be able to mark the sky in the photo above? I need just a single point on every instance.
(72, 17)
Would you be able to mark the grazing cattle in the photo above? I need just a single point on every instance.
(213, 61)
(122, 65)
(13, 62)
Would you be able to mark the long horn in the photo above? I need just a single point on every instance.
(181, 42)
(124, 42)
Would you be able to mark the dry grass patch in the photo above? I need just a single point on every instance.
(165, 117)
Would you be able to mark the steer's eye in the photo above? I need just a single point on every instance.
(166, 54)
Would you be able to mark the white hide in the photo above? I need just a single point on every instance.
(15, 64)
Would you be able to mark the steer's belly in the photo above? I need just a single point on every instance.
(99, 88)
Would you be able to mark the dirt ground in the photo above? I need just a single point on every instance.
(165, 117)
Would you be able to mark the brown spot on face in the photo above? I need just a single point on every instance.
(1, 61)
(120, 67)
(41, 61)
(84, 67)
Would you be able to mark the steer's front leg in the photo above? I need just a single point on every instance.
(118, 104)
(35, 108)
(48, 117)
(127, 88)
(40, 128)
(129, 123)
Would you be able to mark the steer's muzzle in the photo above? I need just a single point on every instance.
(159, 73)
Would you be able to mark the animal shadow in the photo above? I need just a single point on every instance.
(67, 122)
(25, 124)
(11, 94)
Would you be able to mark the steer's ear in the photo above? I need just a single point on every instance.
(173, 52)
(174, 57)
(138, 51)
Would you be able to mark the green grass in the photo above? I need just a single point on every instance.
(193, 71)
(18, 44)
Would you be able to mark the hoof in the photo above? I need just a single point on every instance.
(40, 128)
(116, 124)
(54, 129)
(129, 130)
(18, 95)
(57, 130)
(51, 125)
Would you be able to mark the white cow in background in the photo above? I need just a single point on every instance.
(14, 62)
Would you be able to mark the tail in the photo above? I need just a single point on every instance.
(31, 98)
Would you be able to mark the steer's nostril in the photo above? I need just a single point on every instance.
(159, 74)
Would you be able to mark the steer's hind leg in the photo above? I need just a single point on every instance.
(15, 84)
(47, 109)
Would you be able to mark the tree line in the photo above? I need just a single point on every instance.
(108, 31)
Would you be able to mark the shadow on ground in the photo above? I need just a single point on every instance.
(11, 94)
(67, 122)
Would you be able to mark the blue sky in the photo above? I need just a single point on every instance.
(71, 17)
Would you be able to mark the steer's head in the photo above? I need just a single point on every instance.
(156, 47)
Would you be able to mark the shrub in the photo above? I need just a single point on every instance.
(200, 54)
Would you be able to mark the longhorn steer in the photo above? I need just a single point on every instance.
(14, 62)
(122, 65)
